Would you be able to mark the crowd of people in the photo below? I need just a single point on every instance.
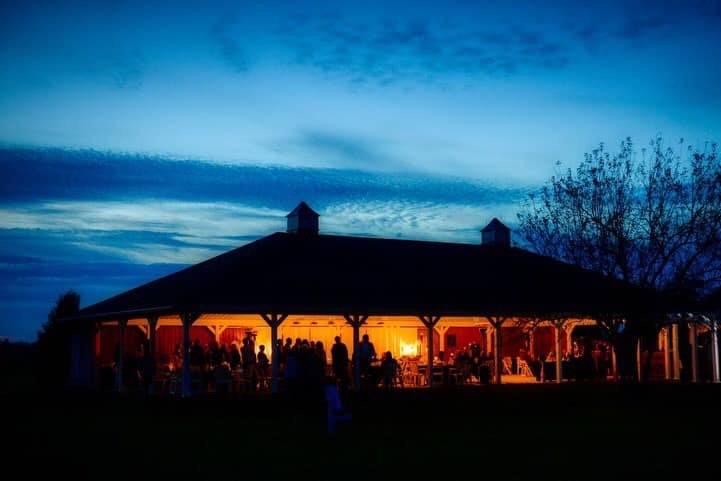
(584, 361)
(304, 364)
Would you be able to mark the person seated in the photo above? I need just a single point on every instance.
(234, 356)
(263, 367)
(389, 368)
(262, 358)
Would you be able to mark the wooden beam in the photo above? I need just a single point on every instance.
(442, 337)
(558, 324)
(152, 333)
(274, 320)
(120, 364)
(429, 321)
(356, 321)
(144, 328)
(715, 367)
(497, 323)
(676, 352)
(187, 319)
(667, 352)
(694, 350)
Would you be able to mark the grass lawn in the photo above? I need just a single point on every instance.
(574, 432)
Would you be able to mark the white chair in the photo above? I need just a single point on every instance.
(524, 369)
(507, 364)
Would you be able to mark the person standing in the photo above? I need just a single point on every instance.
(340, 361)
(249, 364)
(367, 353)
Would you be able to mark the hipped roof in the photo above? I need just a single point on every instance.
(328, 274)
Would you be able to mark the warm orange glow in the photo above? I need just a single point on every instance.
(409, 349)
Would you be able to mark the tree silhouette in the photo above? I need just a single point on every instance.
(653, 219)
(53, 343)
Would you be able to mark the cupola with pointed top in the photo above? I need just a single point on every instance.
(496, 233)
(303, 220)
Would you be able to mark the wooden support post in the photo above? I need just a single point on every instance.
(95, 352)
(559, 355)
(531, 350)
(715, 367)
(356, 321)
(442, 338)
(152, 330)
(676, 353)
(429, 322)
(120, 361)
(667, 352)
(639, 374)
(558, 329)
(694, 350)
(187, 319)
(614, 363)
(569, 337)
(497, 322)
(274, 321)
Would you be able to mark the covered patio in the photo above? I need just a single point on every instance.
(426, 303)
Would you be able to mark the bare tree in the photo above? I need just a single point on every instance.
(654, 220)
(651, 218)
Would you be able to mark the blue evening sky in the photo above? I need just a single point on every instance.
(136, 137)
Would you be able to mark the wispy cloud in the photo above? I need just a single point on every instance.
(455, 222)
(94, 206)
(188, 232)
(226, 41)
(388, 50)
(347, 151)
(149, 232)
(29, 175)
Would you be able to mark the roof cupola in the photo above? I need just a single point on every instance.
(303, 220)
(496, 233)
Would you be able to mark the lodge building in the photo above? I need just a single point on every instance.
(416, 299)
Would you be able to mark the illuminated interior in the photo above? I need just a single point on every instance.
(402, 336)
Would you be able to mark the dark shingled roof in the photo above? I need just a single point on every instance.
(326, 274)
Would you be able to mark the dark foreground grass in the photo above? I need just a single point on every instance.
(574, 432)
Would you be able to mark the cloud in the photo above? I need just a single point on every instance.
(101, 223)
(388, 50)
(150, 232)
(146, 231)
(638, 26)
(636, 21)
(230, 49)
(455, 222)
(347, 151)
(47, 175)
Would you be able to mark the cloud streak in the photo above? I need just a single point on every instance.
(184, 232)
(387, 51)
(52, 174)
(222, 34)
